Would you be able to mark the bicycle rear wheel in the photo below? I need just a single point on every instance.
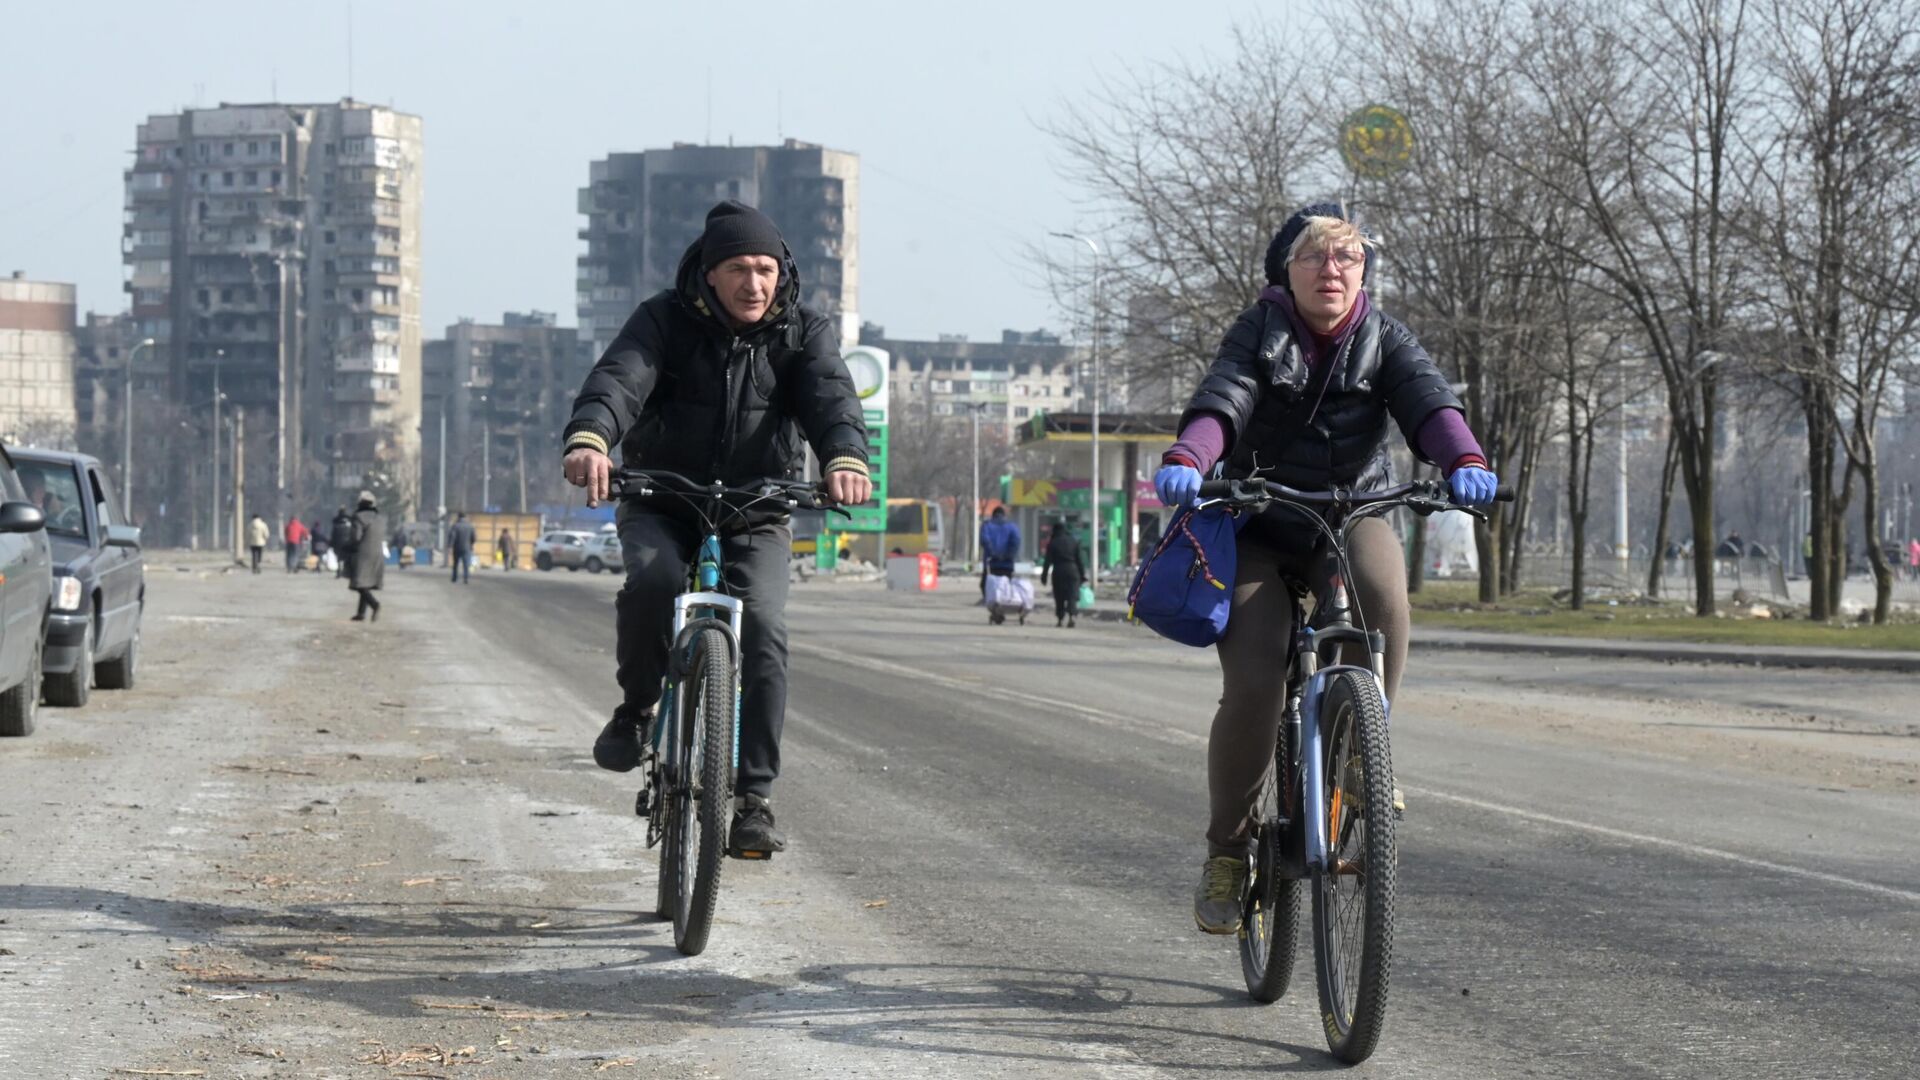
(1353, 897)
(707, 809)
(1270, 925)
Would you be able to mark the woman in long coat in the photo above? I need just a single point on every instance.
(369, 567)
(1064, 559)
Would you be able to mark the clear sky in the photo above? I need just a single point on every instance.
(942, 102)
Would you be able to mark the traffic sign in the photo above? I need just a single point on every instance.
(1376, 141)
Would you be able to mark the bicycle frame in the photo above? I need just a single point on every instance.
(1313, 679)
(703, 606)
(1330, 628)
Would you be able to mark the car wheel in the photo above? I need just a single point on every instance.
(543, 560)
(594, 566)
(118, 673)
(21, 705)
(71, 689)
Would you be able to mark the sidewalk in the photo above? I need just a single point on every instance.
(1435, 637)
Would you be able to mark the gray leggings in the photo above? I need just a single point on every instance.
(1253, 666)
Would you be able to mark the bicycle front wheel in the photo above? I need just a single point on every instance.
(1270, 923)
(1353, 896)
(703, 817)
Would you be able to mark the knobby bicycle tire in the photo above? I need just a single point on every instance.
(1270, 924)
(1353, 898)
(710, 689)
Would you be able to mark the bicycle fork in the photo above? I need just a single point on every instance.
(1306, 726)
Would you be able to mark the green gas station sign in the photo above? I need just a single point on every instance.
(868, 367)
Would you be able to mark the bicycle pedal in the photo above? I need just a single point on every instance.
(737, 853)
(643, 803)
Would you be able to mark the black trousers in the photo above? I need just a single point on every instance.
(368, 602)
(657, 551)
(256, 552)
(1066, 594)
(462, 564)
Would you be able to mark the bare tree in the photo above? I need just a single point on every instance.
(1463, 270)
(1835, 176)
(1631, 124)
(1191, 168)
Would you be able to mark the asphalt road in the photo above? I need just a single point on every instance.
(394, 839)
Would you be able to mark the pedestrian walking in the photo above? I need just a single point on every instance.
(460, 539)
(1913, 559)
(322, 548)
(296, 536)
(369, 568)
(342, 541)
(999, 547)
(504, 548)
(1067, 563)
(257, 539)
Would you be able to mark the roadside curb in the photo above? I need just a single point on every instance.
(1671, 651)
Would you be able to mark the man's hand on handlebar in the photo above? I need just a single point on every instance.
(848, 488)
(588, 468)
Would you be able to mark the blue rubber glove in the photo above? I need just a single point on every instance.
(1177, 485)
(1473, 485)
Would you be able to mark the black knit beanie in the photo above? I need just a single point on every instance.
(1289, 232)
(734, 228)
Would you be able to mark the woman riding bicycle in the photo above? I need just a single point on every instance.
(1302, 390)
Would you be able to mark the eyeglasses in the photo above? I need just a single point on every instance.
(1343, 259)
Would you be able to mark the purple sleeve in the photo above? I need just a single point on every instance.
(1201, 443)
(1446, 441)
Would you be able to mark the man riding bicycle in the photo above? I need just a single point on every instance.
(1302, 389)
(717, 378)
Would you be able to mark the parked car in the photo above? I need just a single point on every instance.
(603, 553)
(99, 576)
(26, 598)
(562, 547)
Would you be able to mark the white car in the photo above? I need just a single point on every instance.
(561, 548)
(603, 553)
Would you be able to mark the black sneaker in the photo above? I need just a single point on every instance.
(754, 835)
(622, 741)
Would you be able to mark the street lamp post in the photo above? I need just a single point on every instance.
(213, 510)
(1094, 488)
(126, 433)
(973, 410)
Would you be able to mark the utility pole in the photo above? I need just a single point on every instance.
(486, 460)
(239, 484)
(213, 511)
(973, 518)
(440, 500)
(126, 433)
(1093, 490)
(520, 453)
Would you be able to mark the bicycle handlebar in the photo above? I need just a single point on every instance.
(1421, 496)
(630, 483)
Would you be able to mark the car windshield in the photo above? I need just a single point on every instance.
(55, 489)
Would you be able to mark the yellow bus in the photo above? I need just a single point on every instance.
(914, 526)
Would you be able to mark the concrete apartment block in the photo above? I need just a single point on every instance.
(506, 390)
(36, 362)
(275, 248)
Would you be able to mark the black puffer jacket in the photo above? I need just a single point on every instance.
(1261, 371)
(680, 390)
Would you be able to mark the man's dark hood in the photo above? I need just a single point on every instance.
(694, 294)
